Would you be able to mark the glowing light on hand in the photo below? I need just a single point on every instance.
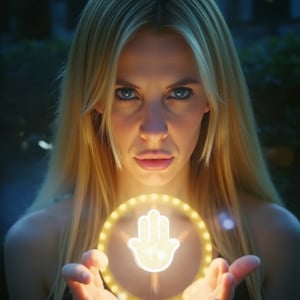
(153, 249)
(113, 228)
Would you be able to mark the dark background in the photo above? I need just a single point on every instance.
(35, 36)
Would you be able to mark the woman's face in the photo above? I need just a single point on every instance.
(157, 110)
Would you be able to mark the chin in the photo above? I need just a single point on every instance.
(155, 182)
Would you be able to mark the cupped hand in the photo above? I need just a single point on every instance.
(219, 283)
(221, 279)
(84, 279)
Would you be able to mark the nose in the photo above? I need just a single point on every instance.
(153, 126)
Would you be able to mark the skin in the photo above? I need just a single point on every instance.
(219, 283)
(156, 125)
(159, 105)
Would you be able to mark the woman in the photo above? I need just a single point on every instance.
(154, 100)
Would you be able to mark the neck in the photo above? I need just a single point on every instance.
(176, 188)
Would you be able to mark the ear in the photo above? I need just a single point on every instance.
(99, 107)
(207, 107)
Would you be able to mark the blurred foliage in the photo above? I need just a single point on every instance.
(272, 70)
(29, 89)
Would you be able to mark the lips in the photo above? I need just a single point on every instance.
(154, 160)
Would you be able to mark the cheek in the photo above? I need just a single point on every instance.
(124, 131)
(194, 136)
(188, 130)
(123, 126)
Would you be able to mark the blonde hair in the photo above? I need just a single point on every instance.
(227, 161)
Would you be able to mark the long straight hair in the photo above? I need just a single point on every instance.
(227, 161)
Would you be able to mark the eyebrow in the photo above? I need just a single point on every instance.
(125, 83)
(183, 81)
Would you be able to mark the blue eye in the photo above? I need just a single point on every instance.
(181, 93)
(126, 93)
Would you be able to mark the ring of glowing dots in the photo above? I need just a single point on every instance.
(155, 199)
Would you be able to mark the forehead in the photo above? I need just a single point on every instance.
(157, 51)
(162, 40)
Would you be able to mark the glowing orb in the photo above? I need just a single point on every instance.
(153, 249)
(157, 245)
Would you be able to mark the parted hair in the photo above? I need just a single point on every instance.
(227, 162)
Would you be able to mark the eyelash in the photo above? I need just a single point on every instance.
(125, 89)
(187, 92)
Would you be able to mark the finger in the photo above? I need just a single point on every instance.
(77, 277)
(210, 284)
(226, 287)
(143, 229)
(164, 230)
(76, 272)
(94, 259)
(243, 266)
(216, 269)
(154, 224)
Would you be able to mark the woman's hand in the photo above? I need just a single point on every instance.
(221, 279)
(84, 280)
(219, 283)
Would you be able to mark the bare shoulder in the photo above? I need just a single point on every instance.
(276, 232)
(31, 251)
(272, 219)
(38, 227)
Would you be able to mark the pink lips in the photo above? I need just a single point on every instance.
(154, 160)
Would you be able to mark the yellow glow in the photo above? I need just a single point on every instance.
(162, 254)
(153, 249)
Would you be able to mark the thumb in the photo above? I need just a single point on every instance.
(94, 258)
(244, 266)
